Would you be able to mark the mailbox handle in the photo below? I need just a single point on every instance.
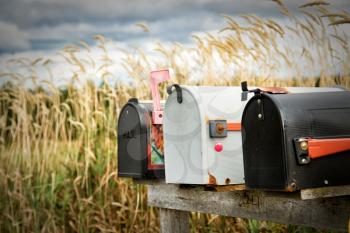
(156, 78)
(325, 147)
(178, 92)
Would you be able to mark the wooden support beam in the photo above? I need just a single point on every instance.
(332, 191)
(174, 221)
(288, 208)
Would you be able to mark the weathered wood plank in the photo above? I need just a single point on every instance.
(228, 188)
(325, 192)
(329, 213)
(174, 221)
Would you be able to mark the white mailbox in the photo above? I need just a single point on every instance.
(202, 134)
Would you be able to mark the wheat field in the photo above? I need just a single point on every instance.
(58, 148)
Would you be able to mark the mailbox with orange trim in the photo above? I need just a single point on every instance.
(140, 135)
(202, 133)
(297, 141)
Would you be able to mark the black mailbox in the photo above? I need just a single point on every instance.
(140, 143)
(140, 135)
(296, 141)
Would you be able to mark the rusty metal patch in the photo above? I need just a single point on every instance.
(212, 179)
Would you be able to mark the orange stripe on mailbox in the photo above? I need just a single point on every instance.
(234, 126)
(324, 147)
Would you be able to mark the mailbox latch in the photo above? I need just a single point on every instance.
(302, 150)
(218, 128)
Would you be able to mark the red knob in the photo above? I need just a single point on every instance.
(218, 147)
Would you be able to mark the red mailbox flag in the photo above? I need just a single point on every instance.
(324, 147)
(156, 78)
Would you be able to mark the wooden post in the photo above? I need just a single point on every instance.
(174, 221)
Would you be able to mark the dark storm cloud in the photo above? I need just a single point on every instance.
(28, 13)
(34, 24)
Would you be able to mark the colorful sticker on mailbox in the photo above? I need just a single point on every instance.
(156, 148)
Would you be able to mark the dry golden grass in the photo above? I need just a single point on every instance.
(58, 146)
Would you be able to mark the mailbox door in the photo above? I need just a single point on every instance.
(182, 132)
(140, 143)
(263, 145)
(132, 141)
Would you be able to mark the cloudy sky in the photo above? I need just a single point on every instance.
(49, 24)
(33, 28)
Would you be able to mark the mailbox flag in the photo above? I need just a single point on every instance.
(156, 78)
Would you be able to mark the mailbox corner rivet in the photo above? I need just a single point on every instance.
(304, 145)
(293, 185)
